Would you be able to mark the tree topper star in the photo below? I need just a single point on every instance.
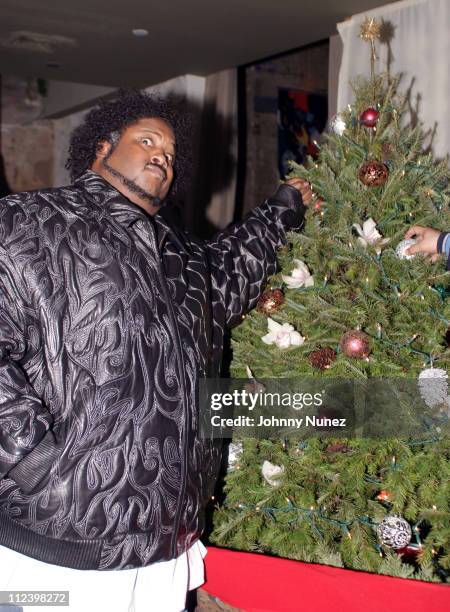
(370, 29)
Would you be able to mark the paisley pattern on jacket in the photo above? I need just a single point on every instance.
(103, 340)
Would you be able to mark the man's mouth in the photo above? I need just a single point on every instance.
(157, 170)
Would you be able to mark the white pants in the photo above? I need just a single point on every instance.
(160, 587)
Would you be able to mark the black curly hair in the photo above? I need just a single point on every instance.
(112, 116)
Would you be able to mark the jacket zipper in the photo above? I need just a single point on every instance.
(182, 375)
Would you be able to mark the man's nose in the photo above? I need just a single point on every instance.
(159, 158)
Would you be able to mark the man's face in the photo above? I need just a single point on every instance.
(140, 164)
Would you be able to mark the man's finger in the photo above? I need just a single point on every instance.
(415, 230)
(413, 249)
(297, 182)
(306, 196)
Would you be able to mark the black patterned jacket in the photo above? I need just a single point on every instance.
(103, 339)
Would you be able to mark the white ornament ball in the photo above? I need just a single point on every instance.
(273, 474)
(394, 531)
(337, 125)
(401, 248)
(433, 386)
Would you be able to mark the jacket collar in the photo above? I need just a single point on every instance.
(120, 208)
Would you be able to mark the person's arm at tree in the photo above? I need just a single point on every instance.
(243, 256)
(24, 420)
(429, 242)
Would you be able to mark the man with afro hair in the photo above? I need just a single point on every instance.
(109, 319)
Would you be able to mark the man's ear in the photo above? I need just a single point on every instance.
(102, 149)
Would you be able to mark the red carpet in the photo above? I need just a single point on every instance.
(257, 583)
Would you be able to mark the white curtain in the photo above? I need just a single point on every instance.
(419, 48)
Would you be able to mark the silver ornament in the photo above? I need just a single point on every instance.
(433, 386)
(401, 248)
(337, 125)
(394, 531)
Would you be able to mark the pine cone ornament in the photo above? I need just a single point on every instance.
(338, 447)
(387, 150)
(322, 358)
(373, 173)
(270, 301)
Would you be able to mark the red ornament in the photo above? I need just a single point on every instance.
(369, 117)
(384, 495)
(318, 205)
(355, 344)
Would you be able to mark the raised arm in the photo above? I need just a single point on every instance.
(244, 255)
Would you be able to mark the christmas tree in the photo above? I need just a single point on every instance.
(363, 309)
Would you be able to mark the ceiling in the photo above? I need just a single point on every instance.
(91, 40)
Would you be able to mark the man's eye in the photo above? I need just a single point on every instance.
(147, 141)
(169, 158)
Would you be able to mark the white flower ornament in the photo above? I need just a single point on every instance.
(283, 335)
(299, 277)
(369, 235)
(272, 473)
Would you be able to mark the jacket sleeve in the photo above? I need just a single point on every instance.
(24, 420)
(443, 246)
(243, 256)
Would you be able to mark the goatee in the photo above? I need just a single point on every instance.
(132, 186)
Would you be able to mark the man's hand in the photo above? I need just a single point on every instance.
(426, 238)
(304, 187)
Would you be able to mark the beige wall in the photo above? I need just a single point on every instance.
(28, 155)
(26, 139)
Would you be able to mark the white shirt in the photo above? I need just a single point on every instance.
(159, 587)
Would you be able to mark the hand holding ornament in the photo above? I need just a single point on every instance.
(426, 241)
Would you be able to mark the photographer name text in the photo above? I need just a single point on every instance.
(273, 421)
